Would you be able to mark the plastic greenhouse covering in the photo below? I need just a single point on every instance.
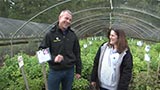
(138, 18)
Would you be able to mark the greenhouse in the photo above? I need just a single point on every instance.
(23, 25)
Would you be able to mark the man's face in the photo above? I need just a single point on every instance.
(65, 20)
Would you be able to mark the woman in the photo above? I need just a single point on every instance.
(113, 63)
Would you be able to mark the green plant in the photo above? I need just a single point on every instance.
(80, 84)
(144, 73)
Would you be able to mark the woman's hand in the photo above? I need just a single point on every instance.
(93, 84)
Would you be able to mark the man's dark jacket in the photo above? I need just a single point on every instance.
(63, 43)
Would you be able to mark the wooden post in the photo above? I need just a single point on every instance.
(158, 71)
(148, 69)
(25, 79)
(44, 75)
(21, 64)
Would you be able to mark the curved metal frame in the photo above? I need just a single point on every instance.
(91, 20)
(99, 8)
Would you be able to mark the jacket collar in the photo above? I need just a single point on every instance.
(56, 28)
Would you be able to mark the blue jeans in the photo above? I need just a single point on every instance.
(63, 77)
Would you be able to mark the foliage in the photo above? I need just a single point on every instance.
(88, 55)
(144, 73)
(11, 75)
(80, 84)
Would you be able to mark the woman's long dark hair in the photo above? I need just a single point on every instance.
(122, 43)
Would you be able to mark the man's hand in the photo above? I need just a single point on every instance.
(58, 58)
(77, 76)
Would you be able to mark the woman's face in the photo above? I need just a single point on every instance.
(113, 37)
